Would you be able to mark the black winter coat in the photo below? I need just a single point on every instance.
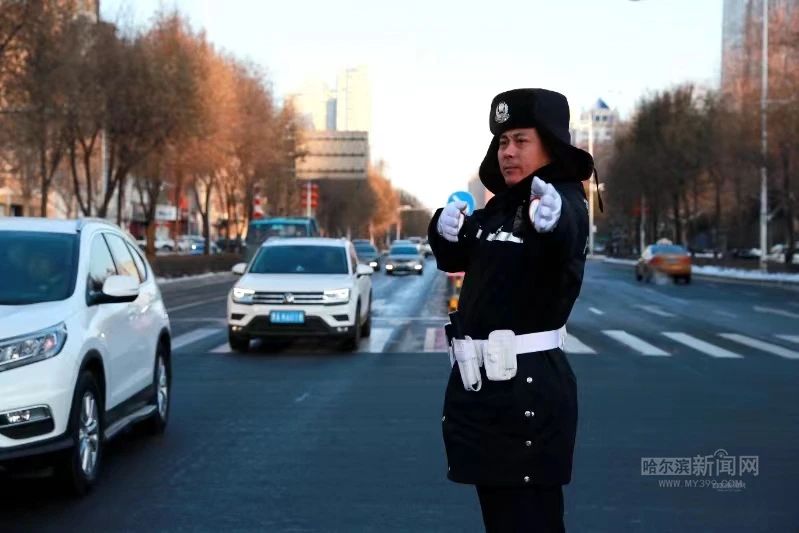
(521, 431)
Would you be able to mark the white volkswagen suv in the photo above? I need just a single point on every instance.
(304, 287)
(84, 344)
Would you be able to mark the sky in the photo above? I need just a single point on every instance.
(435, 65)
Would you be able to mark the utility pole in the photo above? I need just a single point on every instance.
(308, 199)
(642, 244)
(591, 186)
(764, 143)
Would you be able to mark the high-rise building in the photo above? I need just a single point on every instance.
(353, 100)
(314, 102)
(600, 120)
(348, 107)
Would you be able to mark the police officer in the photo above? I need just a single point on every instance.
(523, 257)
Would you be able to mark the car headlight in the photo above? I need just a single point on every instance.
(373, 264)
(417, 266)
(243, 296)
(389, 266)
(337, 296)
(31, 348)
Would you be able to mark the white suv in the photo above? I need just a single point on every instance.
(84, 344)
(304, 287)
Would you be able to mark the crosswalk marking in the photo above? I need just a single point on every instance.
(435, 341)
(378, 339)
(222, 348)
(761, 345)
(655, 310)
(775, 311)
(574, 345)
(429, 339)
(596, 311)
(193, 336)
(637, 344)
(700, 345)
(789, 338)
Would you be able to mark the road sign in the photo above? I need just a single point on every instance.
(463, 196)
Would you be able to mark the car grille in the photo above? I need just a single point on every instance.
(279, 298)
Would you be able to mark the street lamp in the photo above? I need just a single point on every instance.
(764, 142)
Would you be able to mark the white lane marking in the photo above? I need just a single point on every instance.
(655, 310)
(761, 345)
(404, 319)
(301, 398)
(789, 338)
(725, 313)
(700, 345)
(775, 311)
(429, 339)
(596, 311)
(378, 339)
(195, 304)
(574, 345)
(193, 336)
(639, 345)
(222, 348)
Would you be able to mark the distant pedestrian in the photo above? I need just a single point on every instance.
(510, 408)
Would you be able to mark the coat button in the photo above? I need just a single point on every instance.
(527, 479)
(529, 380)
(528, 414)
(443, 418)
(528, 443)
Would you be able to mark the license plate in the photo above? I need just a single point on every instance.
(287, 317)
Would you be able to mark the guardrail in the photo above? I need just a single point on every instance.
(173, 266)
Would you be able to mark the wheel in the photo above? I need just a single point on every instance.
(366, 330)
(419, 273)
(351, 342)
(389, 273)
(162, 385)
(78, 468)
(638, 276)
(238, 343)
(687, 279)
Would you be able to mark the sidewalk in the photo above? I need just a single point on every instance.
(715, 272)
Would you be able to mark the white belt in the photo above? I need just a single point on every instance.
(498, 353)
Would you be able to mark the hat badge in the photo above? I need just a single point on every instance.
(501, 114)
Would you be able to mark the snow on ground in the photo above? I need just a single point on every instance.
(723, 272)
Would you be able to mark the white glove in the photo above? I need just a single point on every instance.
(451, 220)
(544, 213)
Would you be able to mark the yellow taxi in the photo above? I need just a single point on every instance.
(664, 258)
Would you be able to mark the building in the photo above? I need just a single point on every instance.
(479, 192)
(348, 107)
(316, 103)
(353, 100)
(599, 120)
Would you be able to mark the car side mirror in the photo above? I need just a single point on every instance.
(239, 269)
(117, 289)
(363, 270)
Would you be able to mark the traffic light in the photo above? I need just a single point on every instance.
(307, 190)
